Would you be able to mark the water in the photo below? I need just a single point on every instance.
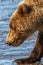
(7, 53)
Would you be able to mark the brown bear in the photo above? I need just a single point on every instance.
(27, 19)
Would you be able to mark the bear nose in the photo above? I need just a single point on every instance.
(9, 40)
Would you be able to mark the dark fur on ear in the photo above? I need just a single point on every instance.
(27, 9)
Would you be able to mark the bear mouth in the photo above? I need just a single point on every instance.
(14, 43)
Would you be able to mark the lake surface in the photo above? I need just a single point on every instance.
(7, 53)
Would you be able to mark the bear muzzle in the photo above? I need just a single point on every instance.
(13, 41)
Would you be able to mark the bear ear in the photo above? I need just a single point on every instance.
(20, 10)
(27, 9)
(24, 9)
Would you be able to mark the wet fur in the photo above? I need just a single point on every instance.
(27, 19)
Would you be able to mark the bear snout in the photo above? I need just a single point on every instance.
(9, 40)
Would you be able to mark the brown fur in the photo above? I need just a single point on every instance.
(27, 19)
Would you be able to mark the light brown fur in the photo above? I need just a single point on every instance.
(27, 19)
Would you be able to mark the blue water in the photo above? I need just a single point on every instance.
(9, 54)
